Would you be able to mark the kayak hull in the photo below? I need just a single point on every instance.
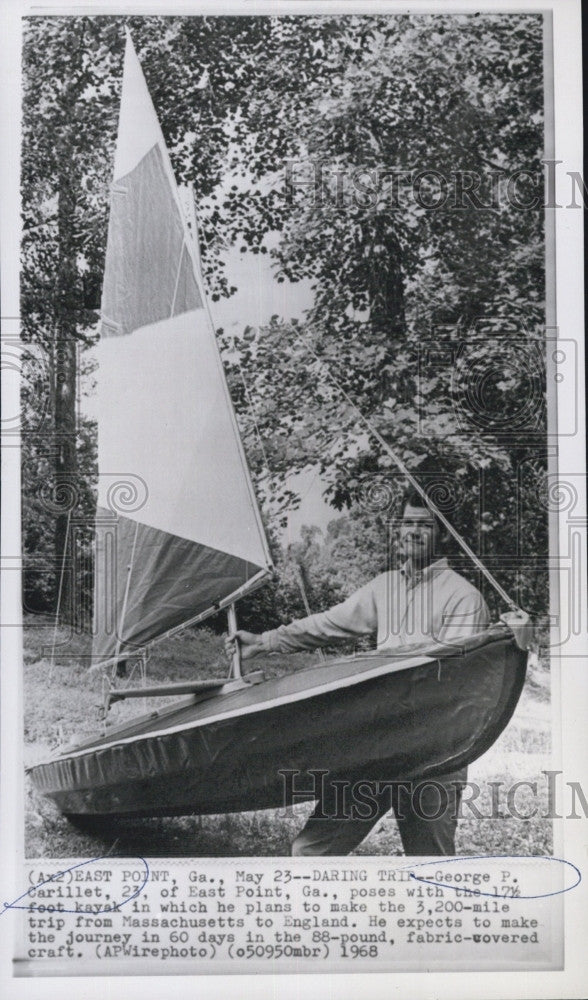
(371, 717)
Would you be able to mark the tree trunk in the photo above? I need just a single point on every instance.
(65, 397)
(386, 287)
(386, 295)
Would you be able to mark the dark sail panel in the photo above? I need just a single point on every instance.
(148, 576)
(145, 242)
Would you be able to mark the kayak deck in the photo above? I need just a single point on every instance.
(377, 714)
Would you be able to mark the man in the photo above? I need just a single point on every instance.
(422, 601)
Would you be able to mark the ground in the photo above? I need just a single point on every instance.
(63, 699)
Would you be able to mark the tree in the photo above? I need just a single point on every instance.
(454, 263)
(72, 72)
(63, 181)
(372, 145)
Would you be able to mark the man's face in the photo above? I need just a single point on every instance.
(419, 536)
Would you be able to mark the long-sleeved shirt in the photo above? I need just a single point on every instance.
(402, 607)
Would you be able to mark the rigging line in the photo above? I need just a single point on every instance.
(248, 587)
(253, 416)
(179, 271)
(302, 588)
(124, 605)
(199, 235)
(231, 408)
(416, 485)
(59, 594)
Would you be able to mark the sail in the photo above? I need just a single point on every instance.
(178, 531)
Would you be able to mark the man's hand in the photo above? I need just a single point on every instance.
(520, 625)
(250, 644)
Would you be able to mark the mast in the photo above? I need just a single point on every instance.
(188, 196)
(236, 657)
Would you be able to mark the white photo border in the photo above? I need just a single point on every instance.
(570, 687)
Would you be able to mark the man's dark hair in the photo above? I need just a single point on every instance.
(412, 497)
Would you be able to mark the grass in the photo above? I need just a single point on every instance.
(63, 700)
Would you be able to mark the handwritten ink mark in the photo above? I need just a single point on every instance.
(47, 908)
(495, 857)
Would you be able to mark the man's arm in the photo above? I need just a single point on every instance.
(467, 615)
(354, 617)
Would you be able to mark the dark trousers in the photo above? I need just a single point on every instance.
(426, 813)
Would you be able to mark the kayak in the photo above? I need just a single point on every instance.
(424, 713)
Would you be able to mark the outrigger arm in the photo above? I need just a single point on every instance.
(202, 689)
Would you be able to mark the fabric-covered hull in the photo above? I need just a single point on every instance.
(370, 717)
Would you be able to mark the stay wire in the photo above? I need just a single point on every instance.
(248, 399)
(416, 485)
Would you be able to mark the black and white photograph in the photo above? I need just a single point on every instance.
(300, 558)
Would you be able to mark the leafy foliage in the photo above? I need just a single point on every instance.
(398, 159)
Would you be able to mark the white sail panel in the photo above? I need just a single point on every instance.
(138, 126)
(162, 417)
